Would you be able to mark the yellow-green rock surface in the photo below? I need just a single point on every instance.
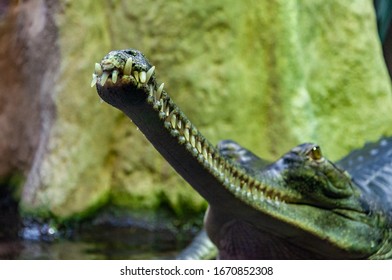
(267, 74)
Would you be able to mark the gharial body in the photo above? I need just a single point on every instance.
(300, 207)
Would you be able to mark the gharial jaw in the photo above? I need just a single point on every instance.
(137, 93)
(126, 80)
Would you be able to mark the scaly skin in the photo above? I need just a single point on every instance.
(301, 206)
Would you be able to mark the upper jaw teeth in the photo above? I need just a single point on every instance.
(128, 67)
(104, 71)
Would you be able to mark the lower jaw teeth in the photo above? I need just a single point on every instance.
(114, 76)
(142, 77)
(149, 74)
(98, 69)
(136, 75)
(159, 91)
(104, 78)
(94, 81)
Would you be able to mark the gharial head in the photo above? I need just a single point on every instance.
(324, 207)
(124, 63)
(315, 180)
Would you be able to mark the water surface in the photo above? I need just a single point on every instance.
(108, 237)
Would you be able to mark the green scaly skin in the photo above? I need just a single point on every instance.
(300, 207)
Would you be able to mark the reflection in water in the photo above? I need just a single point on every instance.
(108, 236)
(100, 243)
(114, 240)
(138, 245)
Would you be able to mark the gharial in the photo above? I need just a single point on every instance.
(302, 206)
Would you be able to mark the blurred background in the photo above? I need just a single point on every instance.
(78, 181)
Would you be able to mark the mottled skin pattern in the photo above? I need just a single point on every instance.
(300, 207)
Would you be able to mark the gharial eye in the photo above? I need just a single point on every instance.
(315, 153)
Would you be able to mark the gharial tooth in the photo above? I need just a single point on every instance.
(114, 76)
(210, 159)
(167, 111)
(128, 67)
(149, 74)
(179, 125)
(94, 81)
(186, 134)
(151, 91)
(205, 153)
(198, 147)
(142, 77)
(193, 141)
(104, 78)
(159, 91)
(173, 120)
(215, 163)
(136, 75)
(98, 69)
(255, 194)
(164, 106)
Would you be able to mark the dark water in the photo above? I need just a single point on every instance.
(108, 236)
(114, 244)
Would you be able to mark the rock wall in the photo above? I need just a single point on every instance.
(268, 74)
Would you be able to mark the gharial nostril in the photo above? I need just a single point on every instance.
(107, 64)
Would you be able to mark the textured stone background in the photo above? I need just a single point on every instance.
(268, 74)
